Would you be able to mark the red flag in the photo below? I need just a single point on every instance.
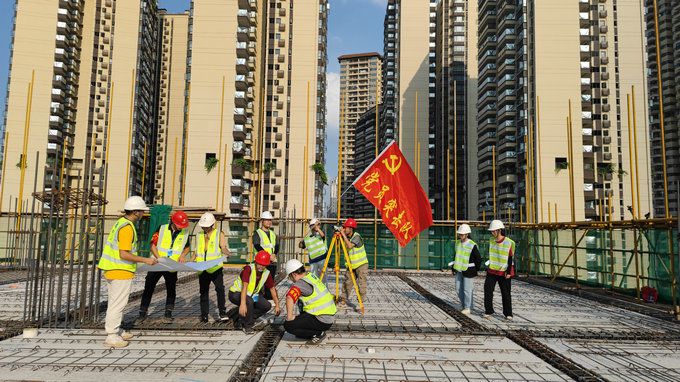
(391, 186)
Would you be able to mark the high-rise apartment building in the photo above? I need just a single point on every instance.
(69, 45)
(256, 108)
(455, 133)
(360, 89)
(535, 58)
(669, 37)
(172, 58)
(364, 154)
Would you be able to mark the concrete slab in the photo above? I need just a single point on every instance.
(402, 357)
(390, 304)
(540, 309)
(79, 355)
(623, 360)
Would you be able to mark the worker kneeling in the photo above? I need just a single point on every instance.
(248, 292)
(318, 306)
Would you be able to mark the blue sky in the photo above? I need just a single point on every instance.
(354, 26)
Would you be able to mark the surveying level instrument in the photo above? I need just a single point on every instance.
(337, 238)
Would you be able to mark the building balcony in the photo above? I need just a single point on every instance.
(237, 186)
(56, 121)
(240, 115)
(240, 82)
(239, 132)
(242, 66)
(242, 34)
(238, 148)
(58, 95)
(242, 50)
(243, 17)
(240, 99)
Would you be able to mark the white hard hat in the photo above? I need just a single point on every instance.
(313, 222)
(206, 220)
(463, 229)
(496, 225)
(266, 215)
(135, 203)
(293, 265)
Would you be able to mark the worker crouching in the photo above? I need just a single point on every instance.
(318, 307)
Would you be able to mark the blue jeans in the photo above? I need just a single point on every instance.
(464, 288)
(317, 267)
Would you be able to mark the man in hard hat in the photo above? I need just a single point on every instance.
(119, 262)
(172, 241)
(358, 261)
(264, 239)
(318, 307)
(211, 244)
(315, 243)
(466, 263)
(500, 270)
(247, 292)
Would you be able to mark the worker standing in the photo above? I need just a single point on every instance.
(357, 258)
(171, 241)
(211, 245)
(466, 263)
(264, 239)
(247, 291)
(315, 243)
(318, 307)
(119, 262)
(501, 269)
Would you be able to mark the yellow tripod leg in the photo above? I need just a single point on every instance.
(336, 237)
(328, 257)
(351, 274)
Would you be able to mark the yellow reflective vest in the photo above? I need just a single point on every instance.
(166, 248)
(461, 261)
(320, 302)
(357, 255)
(267, 244)
(211, 252)
(252, 288)
(110, 259)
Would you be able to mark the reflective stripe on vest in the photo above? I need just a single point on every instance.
(316, 247)
(357, 255)
(166, 247)
(110, 259)
(212, 252)
(265, 243)
(320, 302)
(252, 290)
(499, 253)
(461, 261)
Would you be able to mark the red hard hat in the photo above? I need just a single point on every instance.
(350, 223)
(263, 258)
(180, 220)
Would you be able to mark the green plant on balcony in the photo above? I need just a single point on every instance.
(210, 164)
(621, 173)
(320, 170)
(559, 166)
(268, 167)
(605, 169)
(244, 164)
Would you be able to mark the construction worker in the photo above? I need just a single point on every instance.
(500, 270)
(318, 307)
(264, 239)
(119, 262)
(315, 243)
(246, 293)
(211, 245)
(466, 263)
(172, 241)
(358, 261)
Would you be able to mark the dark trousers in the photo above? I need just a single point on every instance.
(489, 286)
(204, 280)
(306, 326)
(150, 282)
(272, 268)
(255, 309)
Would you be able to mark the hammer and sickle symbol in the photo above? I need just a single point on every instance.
(394, 164)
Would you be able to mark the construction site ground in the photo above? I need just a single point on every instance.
(412, 330)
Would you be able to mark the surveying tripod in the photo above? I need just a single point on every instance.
(337, 238)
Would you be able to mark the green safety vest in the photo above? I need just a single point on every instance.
(320, 302)
(166, 248)
(265, 243)
(357, 255)
(213, 251)
(316, 247)
(499, 253)
(110, 259)
(461, 261)
(252, 289)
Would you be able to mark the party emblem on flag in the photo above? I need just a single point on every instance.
(391, 186)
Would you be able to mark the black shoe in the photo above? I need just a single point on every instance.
(204, 319)
(168, 314)
(315, 340)
(260, 324)
(224, 317)
(142, 316)
(248, 330)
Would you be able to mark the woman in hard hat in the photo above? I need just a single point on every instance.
(500, 270)
(466, 263)
(211, 244)
(318, 307)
